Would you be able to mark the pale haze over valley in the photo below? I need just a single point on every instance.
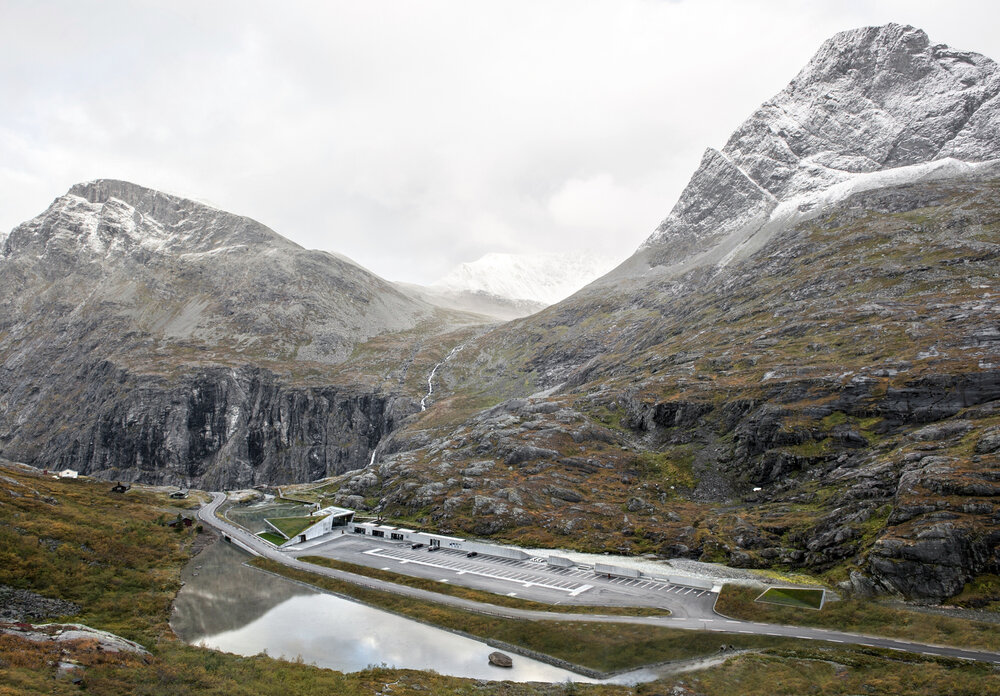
(410, 137)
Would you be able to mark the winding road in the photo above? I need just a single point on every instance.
(706, 621)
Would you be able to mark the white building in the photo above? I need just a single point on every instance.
(327, 521)
(436, 540)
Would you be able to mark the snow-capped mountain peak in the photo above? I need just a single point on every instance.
(543, 278)
(875, 106)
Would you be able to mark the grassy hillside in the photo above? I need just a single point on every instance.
(116, 558)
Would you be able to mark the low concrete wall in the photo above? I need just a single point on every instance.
(236, 542)
(560, 562)
(697, 583)
(617, 571)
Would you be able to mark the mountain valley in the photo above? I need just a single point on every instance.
(797, 370)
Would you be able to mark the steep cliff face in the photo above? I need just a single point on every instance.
(147, 337)
(213, 428)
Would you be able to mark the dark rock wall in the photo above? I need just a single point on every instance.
(213, 428)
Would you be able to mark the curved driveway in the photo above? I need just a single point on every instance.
(708, 622)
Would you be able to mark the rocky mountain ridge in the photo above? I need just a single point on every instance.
(148, 337)
(189, 271)
(874, 99)
(778, 413)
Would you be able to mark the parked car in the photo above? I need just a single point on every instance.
(433, 548)
(472, 554)
(417, 546)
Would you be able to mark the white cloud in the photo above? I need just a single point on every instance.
(410, 135)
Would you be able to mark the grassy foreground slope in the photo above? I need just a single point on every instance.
(116, 558)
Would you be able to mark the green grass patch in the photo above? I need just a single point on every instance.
(111, 554)
(983, 592)
(272, 537)
(812, 448)
(673, 467)
(863, 616)
(793, 597)
(600, 646)
(834, 419)
(842, 672)
(477, 595)
(290, 526)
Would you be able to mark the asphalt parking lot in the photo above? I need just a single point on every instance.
(529, 579)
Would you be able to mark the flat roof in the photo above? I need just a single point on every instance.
(335, 511)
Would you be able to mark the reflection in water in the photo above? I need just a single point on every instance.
(222, 594)
(228, 606)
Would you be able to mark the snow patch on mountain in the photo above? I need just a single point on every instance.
(876, 106)
(541, 278)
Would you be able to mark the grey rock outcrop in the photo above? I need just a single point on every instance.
(216, 428)
(24, 605)
(66, 633)
(933, 565)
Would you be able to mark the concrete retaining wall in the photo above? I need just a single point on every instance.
(697, 583)
(491, 550)
(560, 562)
(617, 571)
(236, 542)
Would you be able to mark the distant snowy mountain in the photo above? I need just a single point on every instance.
(541, 278)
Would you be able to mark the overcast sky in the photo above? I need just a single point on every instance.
(411, 135)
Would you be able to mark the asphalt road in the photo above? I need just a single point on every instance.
(706, 622)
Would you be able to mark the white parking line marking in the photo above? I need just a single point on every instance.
(521, 578)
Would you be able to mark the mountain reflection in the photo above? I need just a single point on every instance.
(223, 594)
